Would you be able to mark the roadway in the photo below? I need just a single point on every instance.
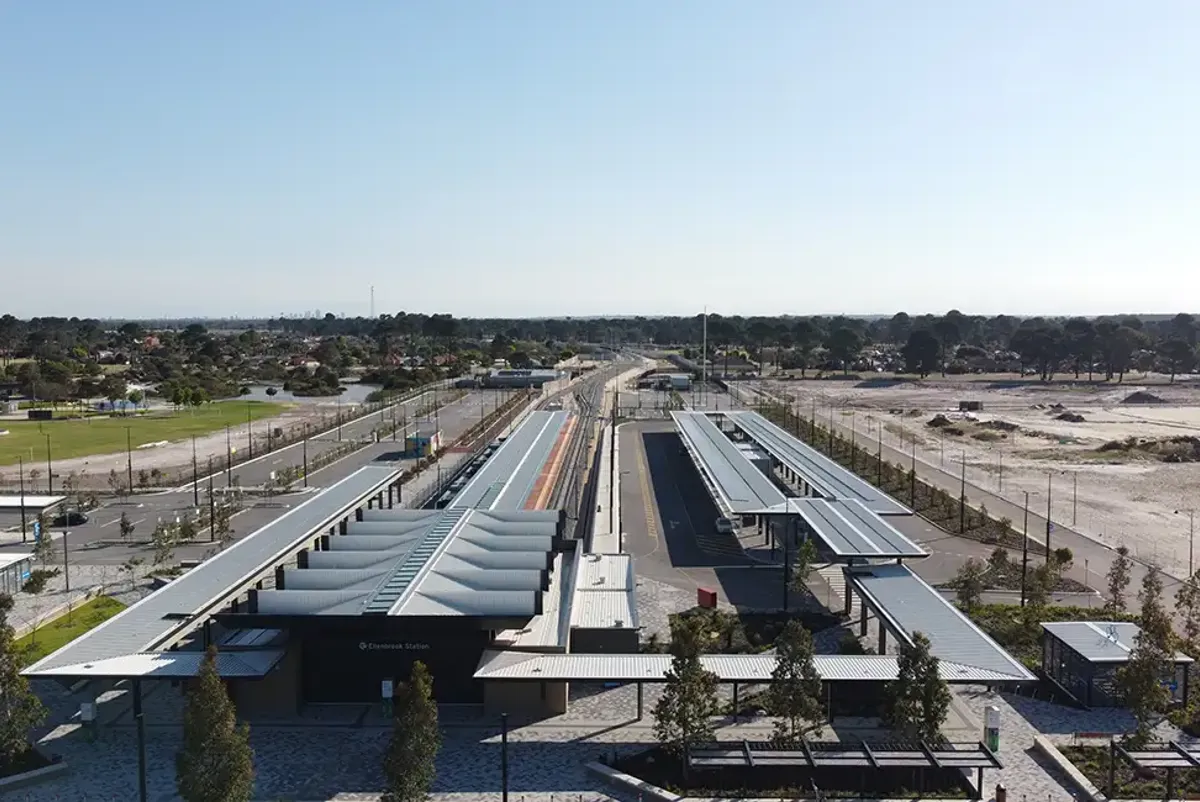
(99, 542)
(669, 522)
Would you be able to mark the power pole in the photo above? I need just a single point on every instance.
(195, 477)
(1025, 549)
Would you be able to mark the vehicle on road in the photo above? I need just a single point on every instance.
(724, 526)
(72, 518)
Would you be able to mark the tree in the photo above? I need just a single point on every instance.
(44, 547)
(802, 566)
(216, 763)
(222, 531)
(1141, 680)
(1179, 356)
(969, 583)
(1187, 601)
(683, 714)
(163, 540)
(794, 695)
(136, 397)
(918, 701)
(844, 345)
(409, 764)
(20, 708)
(126, 526)
(921, 353)
(1118, 581)
(187, 529)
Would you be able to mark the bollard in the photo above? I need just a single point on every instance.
(1001, 793)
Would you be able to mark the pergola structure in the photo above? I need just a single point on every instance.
(845, 755)
(1171, 755)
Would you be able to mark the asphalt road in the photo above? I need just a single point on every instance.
(668, 517)
(97, 542)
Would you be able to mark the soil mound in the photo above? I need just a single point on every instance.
(938, 421)
(1185, 448)
(1000, 425)
(1070, 417)
(1142, 397)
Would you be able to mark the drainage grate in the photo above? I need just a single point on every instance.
(398, 582)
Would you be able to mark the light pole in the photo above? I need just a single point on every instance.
(49, 467)
(228, 457)
(1025, 549)
(304, 448)
(195, 476)
(249, 434)
(129, 457)
(1049, 487)
(21, 470)
(504, 757)
(962, 497)
(1191, 537)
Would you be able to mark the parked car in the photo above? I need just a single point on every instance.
(724, 526)
(72, 518)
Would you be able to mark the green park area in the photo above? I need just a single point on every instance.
(53, 635)
(105, 435)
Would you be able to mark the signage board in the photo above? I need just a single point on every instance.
(387, 646)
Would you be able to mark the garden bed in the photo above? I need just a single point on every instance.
(53, 635)
(29, 760)
(1092, 761)
(1020, 634)
(658, 767)
(753, 633)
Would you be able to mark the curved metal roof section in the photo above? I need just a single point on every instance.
(153, 619)
(738, 484)
(908, 605)
(825, 475)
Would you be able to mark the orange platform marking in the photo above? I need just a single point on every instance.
(545, 482)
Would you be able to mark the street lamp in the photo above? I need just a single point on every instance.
(49, 467)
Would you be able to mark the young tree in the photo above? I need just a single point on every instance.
(919, 700)
(1187, 601)
(969, 583)
(20, 709)
(126, 526)
(163, 540)
(410, 762)
(1150, 662)
(802, 566)
(216, 763)
(794, 695)
(1118, 581)
(187, 529)
(683, 714)
(44, 548)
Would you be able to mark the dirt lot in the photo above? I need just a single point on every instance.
(1134, 464)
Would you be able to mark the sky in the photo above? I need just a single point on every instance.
(530, 158)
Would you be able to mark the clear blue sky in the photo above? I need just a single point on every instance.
(517, 158)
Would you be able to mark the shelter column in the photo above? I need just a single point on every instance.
(849, 598)
(882, 638)
(862, 620)
(639, 701)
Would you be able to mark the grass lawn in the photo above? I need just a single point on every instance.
(53, 635)
(82, 438)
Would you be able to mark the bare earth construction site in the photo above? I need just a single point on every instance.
(1119, 460)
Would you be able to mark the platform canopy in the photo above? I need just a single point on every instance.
(736, 483)
(169, 665)
(849, 529)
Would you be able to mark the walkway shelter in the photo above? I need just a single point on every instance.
(905, 604)
(14, 570)
(847, 529)
(1083, 657)
(546, 674)
(817, 473)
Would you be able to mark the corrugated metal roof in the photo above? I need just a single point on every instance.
(515, 466)
(497, 665)
(829, 478)
(1101, 641)
(168, 665)
(605, 572)
(901, 597)
(549, 628)
(851, 530)
(740, 485)
(604, 609)
(143, 625)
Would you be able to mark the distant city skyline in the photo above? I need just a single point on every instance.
(538, 158)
